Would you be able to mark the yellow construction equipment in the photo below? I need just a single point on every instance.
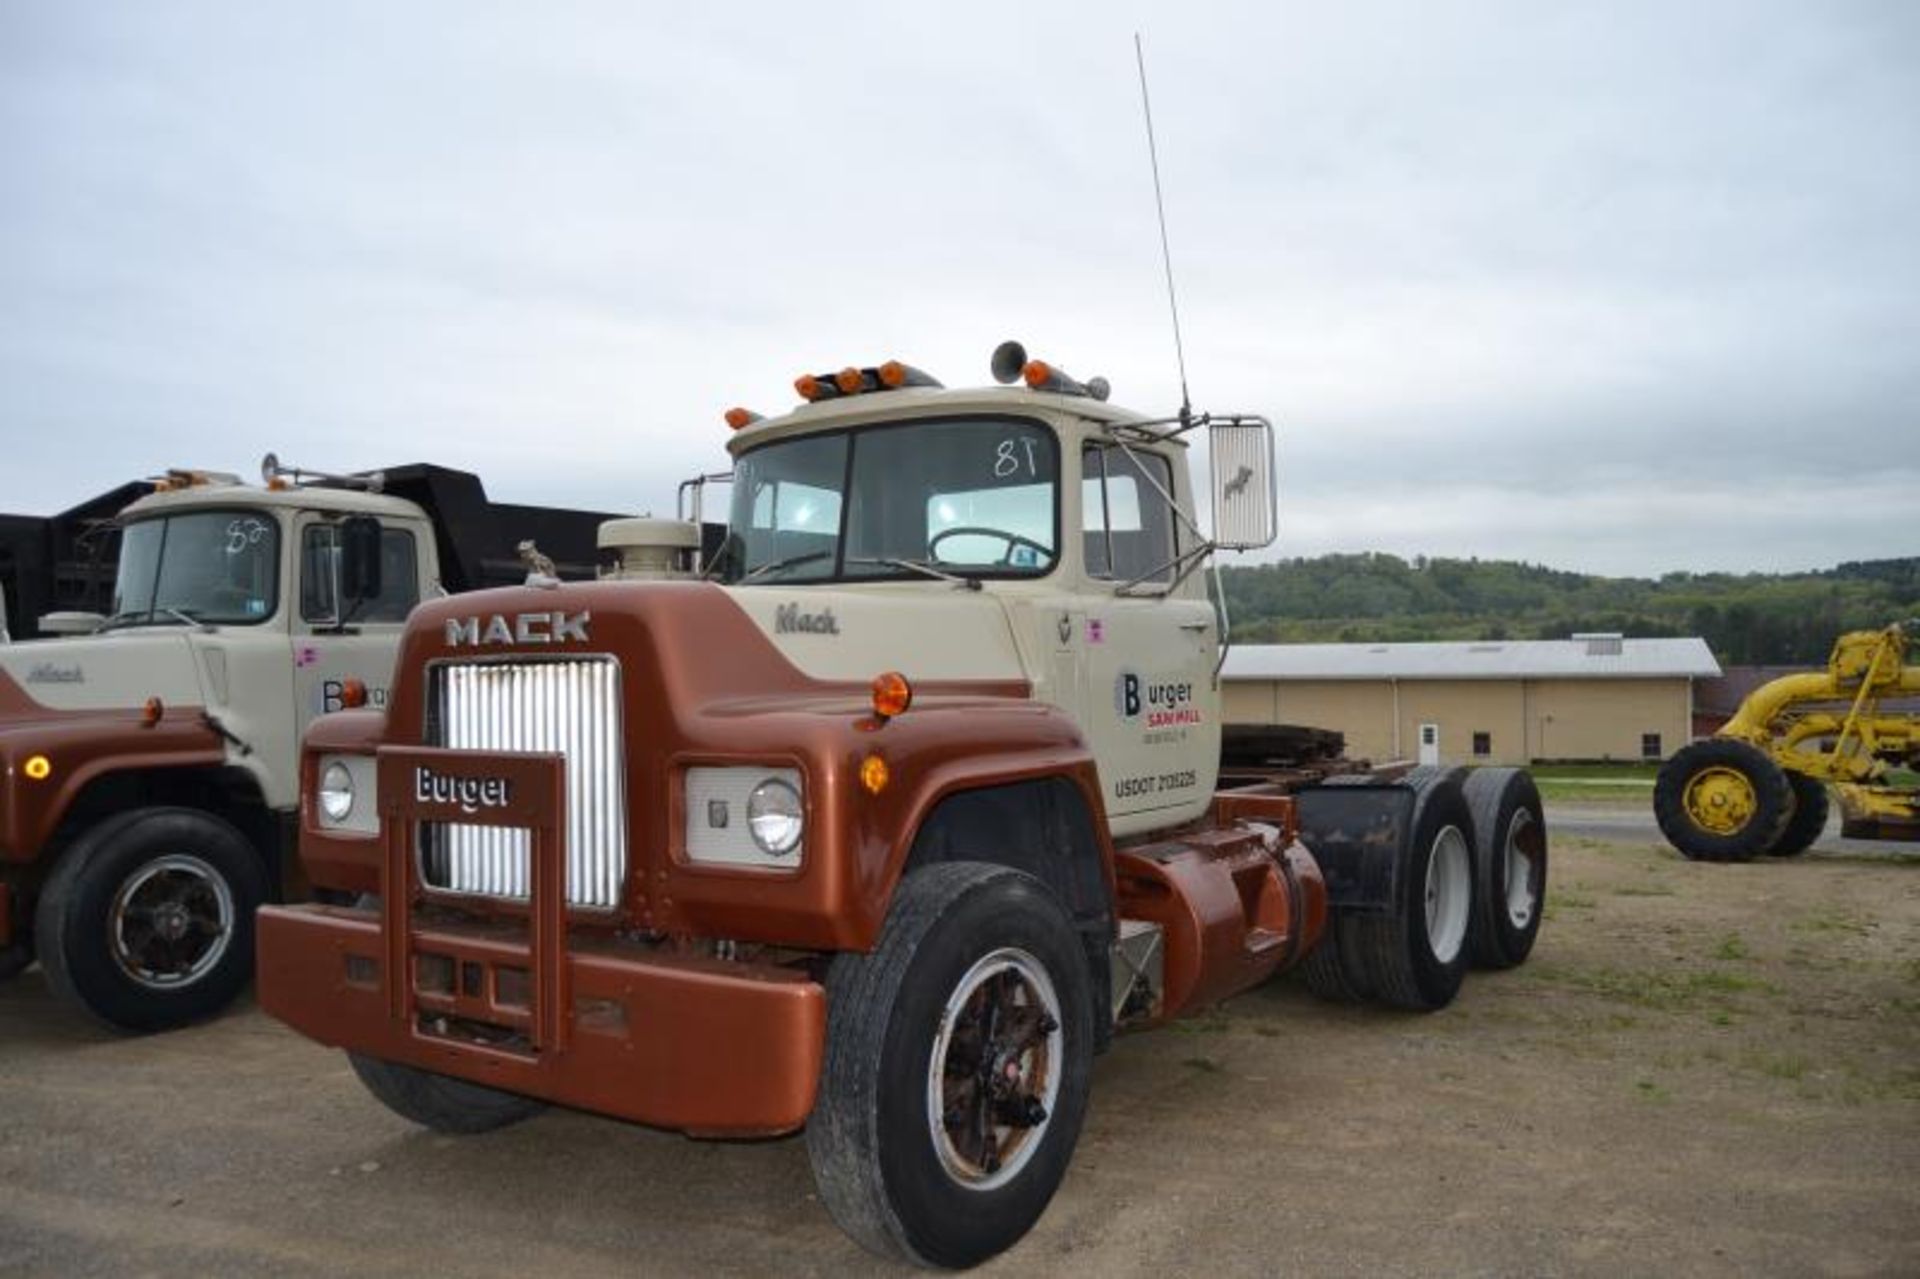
(1759, 785)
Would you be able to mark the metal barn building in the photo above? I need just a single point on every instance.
(1591, 697)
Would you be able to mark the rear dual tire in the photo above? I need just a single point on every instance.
(1414, 955)
(1510, 865)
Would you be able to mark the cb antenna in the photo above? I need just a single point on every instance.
(1166, 253)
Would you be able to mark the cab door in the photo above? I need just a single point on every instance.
(335, 640)
(1150, 646)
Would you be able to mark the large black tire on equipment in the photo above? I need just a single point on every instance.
(1722, 800)
(1509, 865)
(1810, 806)
(1415, 955)
(957, 1067)
(147, 920)
(441, 1102)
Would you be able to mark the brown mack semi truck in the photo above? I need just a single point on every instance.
(149, 753)
(882, 826)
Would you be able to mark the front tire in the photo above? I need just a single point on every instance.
(957, 1068)
(147, 921)
(1722, 800)
(441, 1102)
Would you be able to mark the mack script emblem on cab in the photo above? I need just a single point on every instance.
(471, 793)
(521, 628)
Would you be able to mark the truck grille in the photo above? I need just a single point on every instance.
(568, 706)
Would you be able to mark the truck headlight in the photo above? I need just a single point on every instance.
(773, 815)
(345, 798)
(336, 792)
(748, 816)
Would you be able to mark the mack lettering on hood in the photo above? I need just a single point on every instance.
(521, 628)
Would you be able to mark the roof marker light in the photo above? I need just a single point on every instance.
(894, 375)
(739, 417)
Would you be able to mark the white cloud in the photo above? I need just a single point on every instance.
(1627, 287)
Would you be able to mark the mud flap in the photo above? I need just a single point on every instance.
(1357, 834)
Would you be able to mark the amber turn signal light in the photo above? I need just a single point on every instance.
(891, 694)
(353, 693)
(38, 767)
(151, 713)
(874, 774)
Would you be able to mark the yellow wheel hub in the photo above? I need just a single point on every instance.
(1720, 800)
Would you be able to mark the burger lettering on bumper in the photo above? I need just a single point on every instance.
(470, 794)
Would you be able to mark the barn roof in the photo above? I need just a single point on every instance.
(1582, 657)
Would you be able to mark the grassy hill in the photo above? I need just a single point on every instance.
(1747, 618)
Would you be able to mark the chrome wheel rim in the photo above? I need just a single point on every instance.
(1523, 891)
(993, 1078)
(171, 922)
(1449, 893)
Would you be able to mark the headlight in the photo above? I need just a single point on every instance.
(773, 815)
(336, 792)
(346, 801)
(749, 816)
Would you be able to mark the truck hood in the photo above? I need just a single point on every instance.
(928, 629)
(40, 678)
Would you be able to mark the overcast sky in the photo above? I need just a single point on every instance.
(1616, 287)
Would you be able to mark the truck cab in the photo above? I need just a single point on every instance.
(148, 758)
(881, 823)
(1018, 536)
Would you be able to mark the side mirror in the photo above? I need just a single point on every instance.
(1245, 509)
(359, 558)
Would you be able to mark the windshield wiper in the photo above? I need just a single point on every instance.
(792, 561)
(917, 566)
(185, 618)
(153, 617)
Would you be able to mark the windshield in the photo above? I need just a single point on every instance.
(973, 497)
(207, 566)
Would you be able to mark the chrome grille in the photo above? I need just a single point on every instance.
(568, 706)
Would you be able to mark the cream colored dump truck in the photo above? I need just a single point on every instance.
(149, 758)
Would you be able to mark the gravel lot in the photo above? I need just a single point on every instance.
(1705, 1070)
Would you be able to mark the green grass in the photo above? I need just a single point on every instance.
(1645, 890)
(1731, 947)
(1596, 772)
(1830, 921)
(1655, 989)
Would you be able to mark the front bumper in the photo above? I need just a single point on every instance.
(514, 1002)
(712, 1048)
